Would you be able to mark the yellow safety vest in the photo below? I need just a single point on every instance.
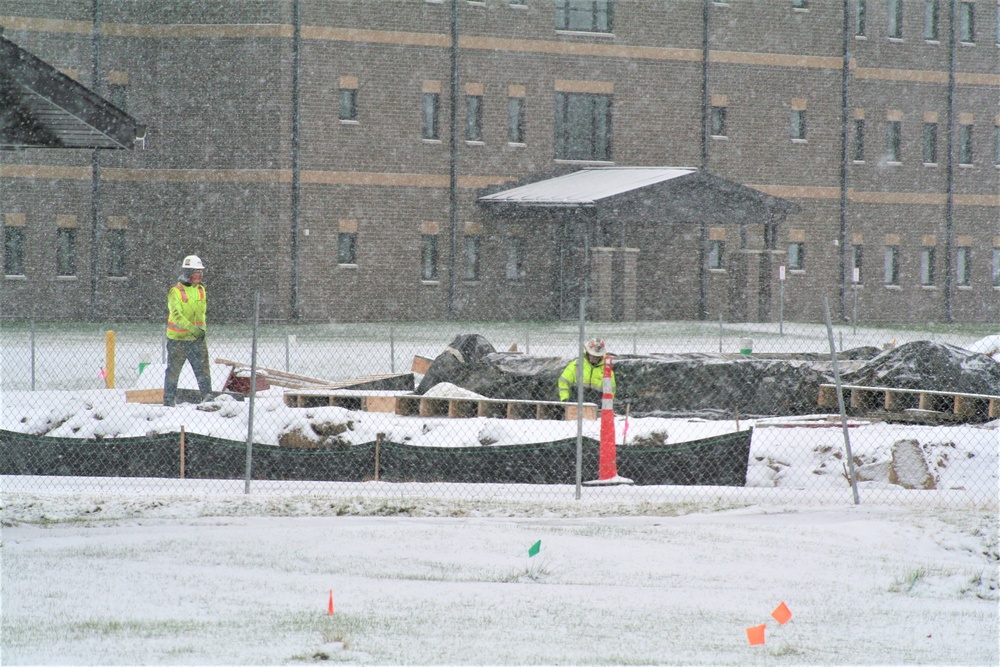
(593, 377)
(186, 307)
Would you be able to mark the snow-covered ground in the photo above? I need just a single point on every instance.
(169, 571)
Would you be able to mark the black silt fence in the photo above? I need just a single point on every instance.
(717, 461)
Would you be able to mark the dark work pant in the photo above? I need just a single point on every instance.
(194, 352)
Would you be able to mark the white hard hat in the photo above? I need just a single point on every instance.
(192, 262)
(595, 347)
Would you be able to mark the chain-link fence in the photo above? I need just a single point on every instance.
(712, 410)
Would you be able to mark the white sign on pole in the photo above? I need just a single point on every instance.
(781, 272)
(856, 277)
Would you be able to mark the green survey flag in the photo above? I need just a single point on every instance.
(535, 548)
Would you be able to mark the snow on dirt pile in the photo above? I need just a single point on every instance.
(933, 366)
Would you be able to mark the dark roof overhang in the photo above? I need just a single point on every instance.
(40, 107)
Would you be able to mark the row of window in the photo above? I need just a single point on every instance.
(597, 15)
(966, 26)
(583, 126)
(796, 261)
(66, 251)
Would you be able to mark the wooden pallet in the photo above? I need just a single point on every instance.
(278, 378)
(924, 403)
(436, 406)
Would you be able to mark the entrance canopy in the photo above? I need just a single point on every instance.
(670, 194)
(40, 107)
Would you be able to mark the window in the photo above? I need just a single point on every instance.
(583, 126)
(718, 118)
(930, 143)
(798, 124)
(896, 19)
(857, 263)
(858, 149)
(716, 253)
(347, 245)
(892, 148)
(13, 250)
(430, 111)
(584, 15)
(891, 265)
(963, 266)
(66, 251)
(996, 267)
(967, 22)
(471, 258)
(515, 258)
(932, 22)
(116, 252)
(800, 4)
(860, 18)
(996, 141)
(348, 104)
(428, 256)
(473, 118)
(515, 120)
(796, 256)
(965, 155)
(927, 266)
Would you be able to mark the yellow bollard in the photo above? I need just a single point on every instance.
(109, 358)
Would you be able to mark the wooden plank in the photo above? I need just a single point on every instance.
(519, 410)
(827, 396)
(994, 408)
(381, 403)
(493, 409)
(421, 365)
(589, 412)
(462, 408)
(433, 407)
(144, 396)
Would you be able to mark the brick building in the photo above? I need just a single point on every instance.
(304, 148)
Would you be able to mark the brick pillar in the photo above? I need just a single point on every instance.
(601, 278)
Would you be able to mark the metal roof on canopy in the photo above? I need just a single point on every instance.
(671, 193)
(40, 107)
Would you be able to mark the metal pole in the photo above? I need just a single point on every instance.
(720, 332)
(579, 399)
(781, 307)
(527, 342)
(453, 171)
(854, 316)
(392, 350)
(32, 355)
(840, 402)
(253, 390)
(288, 344)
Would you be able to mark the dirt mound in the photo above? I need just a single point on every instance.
(928, 365)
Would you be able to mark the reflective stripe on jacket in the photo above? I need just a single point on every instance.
(593, 377)
(186, 307)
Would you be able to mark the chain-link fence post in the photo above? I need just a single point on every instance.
(252, 390)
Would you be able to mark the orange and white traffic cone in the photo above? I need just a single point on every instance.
(607, 468)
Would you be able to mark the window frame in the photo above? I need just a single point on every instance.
(963, 266)
(430, 112)
(565, 13)
(347, 104)
(474, 119)
(860, 18)
(566, 130)
(117, 248)
(929, 143)
(798, 125)
(894, 26)
(890, 265)
(717, 121)
(967, 22)
(715, 257)
(932, 20)
(471, 251)
(347, 248)
(796, 259)
(14, 244)
(927, 266)
(966, 147)
(894, 141)
(429, 257)
(516, 259)
(858, 141)
(66, 252)
(515, 120)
